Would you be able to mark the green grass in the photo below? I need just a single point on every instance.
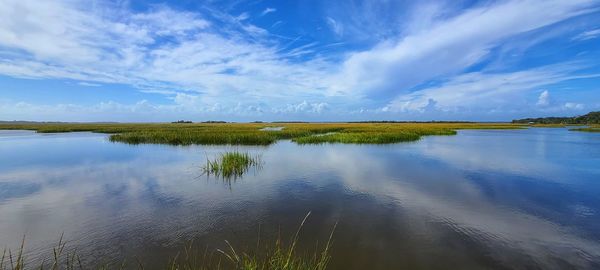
(250, 133)
(554, 125)
(175, 137)
(593, 128)
(230, 165)
(279, 256)
(359, 138)
(282, 257)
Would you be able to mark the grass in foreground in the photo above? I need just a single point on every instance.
(230, 165)
(278, 257)
(250, 133)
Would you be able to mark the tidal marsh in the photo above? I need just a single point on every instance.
(255, 133)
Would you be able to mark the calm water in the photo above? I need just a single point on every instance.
(512, 199)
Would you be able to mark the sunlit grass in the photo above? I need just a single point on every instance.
(251, 133)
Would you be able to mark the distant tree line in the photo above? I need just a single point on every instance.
(416, 122)
(590, 118)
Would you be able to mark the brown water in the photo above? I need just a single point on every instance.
(509, 199)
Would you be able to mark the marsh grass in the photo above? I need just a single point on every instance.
(358, 138)
(279, 256)
(231, 165)
(60, 259)
(556, 125)
(593, 128)
(251, 133)
(189, 138)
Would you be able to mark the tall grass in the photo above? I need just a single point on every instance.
(280, 256)
(230, 165)
(359, 138)
(59, 259)
(188, 138)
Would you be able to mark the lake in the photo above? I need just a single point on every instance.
(501, 199)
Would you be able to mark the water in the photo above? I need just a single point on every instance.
(272, 129)
(518, 199)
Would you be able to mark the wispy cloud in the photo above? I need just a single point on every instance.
(336, 27)
(89, 84)
(591, 34)
(447, 47)
(543, 99)
(480, 91)
(267, 11)
(65, 40)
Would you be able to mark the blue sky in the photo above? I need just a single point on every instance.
(76, 60)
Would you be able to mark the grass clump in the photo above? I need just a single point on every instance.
(190, 137)
(230, 165)
(281, 256)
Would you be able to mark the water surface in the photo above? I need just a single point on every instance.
(501, 199)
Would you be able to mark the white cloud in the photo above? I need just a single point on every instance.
(447, 47)
(170, 22)
(89, 84)
(189, 106)
(242, 17)
(481, 90)
(544, 99)
(267, 11)
(591, 34)
(336, 27)
(304, 107)
(574, 106)
(63, 39)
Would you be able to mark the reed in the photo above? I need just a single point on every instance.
(279, 256)
(230, 165)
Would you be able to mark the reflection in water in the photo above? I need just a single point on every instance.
(481, 199)
(272, 128)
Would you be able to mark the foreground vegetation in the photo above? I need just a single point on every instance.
(280, 256)
(230, 165)
(250, 133)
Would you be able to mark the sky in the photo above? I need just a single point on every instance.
(300, 60)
